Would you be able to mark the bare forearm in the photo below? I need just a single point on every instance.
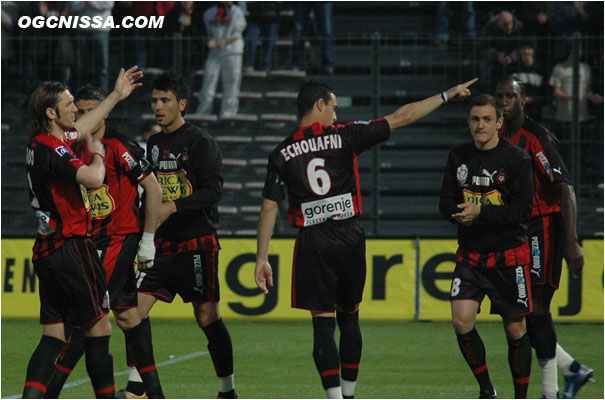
(88, 121)
(266, 223)
(569, 214)
(92, 175)
(413, 112)
(153, 199)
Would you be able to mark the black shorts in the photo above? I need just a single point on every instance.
(117, 254)
(193, 275)
(329, 268)
(546, 248)
(508, 288)
(72, 285)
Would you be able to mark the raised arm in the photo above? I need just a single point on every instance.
(153, 199)
(92, 175)
(125, 84)
(413, 112)
(572, 250)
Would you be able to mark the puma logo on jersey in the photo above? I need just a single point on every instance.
(557, 170)
(486, 180)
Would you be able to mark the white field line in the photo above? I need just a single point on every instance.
(126, 371)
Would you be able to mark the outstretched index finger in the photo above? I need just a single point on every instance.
(467, 84)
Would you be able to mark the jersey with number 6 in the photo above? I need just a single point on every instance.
(318, 165)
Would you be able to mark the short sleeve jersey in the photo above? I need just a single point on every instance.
(318, 165)
(548, 167)
(115, 205)
(60, 203)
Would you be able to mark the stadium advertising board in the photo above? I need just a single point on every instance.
(394, 290)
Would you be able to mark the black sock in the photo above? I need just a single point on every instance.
(519, 359)
(220, 348)
(350, 345)
(69, 357)
(542, 335)
(325, 352)
(99, 364)
(41, 367)
(574, 367)
(139, 340)
(133, 387)
(473, 350)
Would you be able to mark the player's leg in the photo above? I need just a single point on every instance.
(350, 350)
(208, 317)
(137, 334)
(325, 353)
(519, 354)
(41, 364)
(69, 357)
(135, 388)
(99, 363)
(464, 316)
(541, 332)
(231, 70)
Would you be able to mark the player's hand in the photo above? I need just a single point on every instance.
(469, 212)
(575, 259)
(145, 255)
(211, 43)
(127, 82)
(461, 91)
(263, 275)
(95, 146)
(166, 210)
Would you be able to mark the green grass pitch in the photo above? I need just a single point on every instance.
(273, 360)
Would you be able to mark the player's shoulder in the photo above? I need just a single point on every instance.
(536, 129)
(512, 152)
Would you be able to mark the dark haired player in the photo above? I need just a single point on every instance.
(552, 236)
(188, 165)
(72, 286)
(487, 191)
(116, 227)
(318, 164)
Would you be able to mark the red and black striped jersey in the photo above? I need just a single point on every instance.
(60, 203)
(318, 165)
(500, 181)
(115, 205)
(543, 148)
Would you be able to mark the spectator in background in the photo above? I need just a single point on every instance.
(225, 24)
(263, 24)
(533, 76)
(322, 11)
(466, 18)
(142, 35)
(10, 13)
(535, 16)
(186, 21)
(566, 18)
(502, 34)
(92, 44)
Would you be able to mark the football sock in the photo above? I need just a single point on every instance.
(99, 364)
(139, 340)
(68, 358)
(350, 350)
(41, 367)
(135, 382)
(541, 332)
(325, 353)
(473, 351)
(221, 352)
(519, 360)
(334, 392)
(550, 386)
(565, 361)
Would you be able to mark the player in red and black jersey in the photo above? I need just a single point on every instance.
(487, 191)
(318, 165)
(115, 230)
(73, 292)
(552, 236)
(187, 163)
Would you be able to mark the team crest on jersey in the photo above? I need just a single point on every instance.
(44, 223)
(462, 174)
(106, 300)
(501, 177)
(101, 202)
(174, 185)
(155, 154)
(61, 150)
(493, 198)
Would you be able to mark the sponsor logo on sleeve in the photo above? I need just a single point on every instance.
(129, 160)
(61, 150)
(545, 163)
(336, 207)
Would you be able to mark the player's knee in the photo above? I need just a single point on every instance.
(515, 330)
(207, 314)
(100, 327)
(462, 325)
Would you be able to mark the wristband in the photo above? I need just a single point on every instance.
(98, 154)
(147, 238)
(444, 97)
